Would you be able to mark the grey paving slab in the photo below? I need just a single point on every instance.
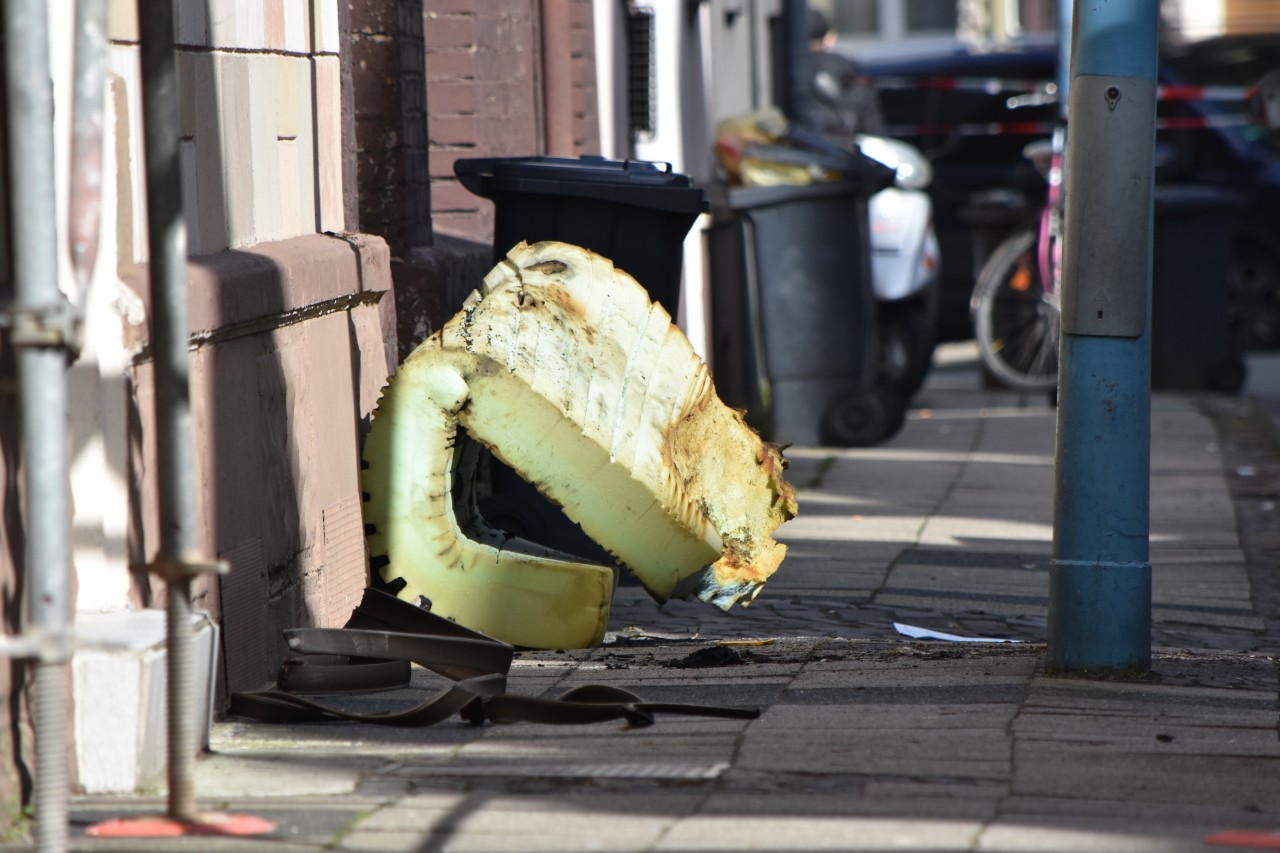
(860, 797)
(1224, 707)
(388, 842)
(291, 773)
(1200, 490)
(336, 742)
(828, 501)
(844, 530)
(786, 833)
(876, 756)
(883, 746)
(1207, 615)
(1211, 817)
(1209, 579)
(1186, 531)
(987, 533)
(987, 672)
(989, 501)
(479, 825)
(986, 484)
(1162, 738)
(1020, 588)
(1031, 834)
(481, 819)
(613, 752)
(478, 842)
(1252, 670)
(958, 607)
(1068, 723)
(1060, 769)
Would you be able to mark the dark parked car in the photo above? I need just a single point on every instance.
(949, 105)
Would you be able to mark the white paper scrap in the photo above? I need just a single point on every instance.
(927, 634)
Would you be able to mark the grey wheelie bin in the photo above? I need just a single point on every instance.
(793, 322)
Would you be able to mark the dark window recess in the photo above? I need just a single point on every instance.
(931, 16)
(640, 71)
(856, 17)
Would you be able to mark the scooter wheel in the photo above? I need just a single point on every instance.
(906, 343)
(862, 419)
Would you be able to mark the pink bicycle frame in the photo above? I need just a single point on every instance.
(1049, 247)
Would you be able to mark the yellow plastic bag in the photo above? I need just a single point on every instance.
(738, 135)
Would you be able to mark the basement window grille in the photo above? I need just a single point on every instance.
(640, 107)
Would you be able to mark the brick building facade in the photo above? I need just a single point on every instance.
(502, 80)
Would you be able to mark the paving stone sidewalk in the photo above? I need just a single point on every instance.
(868, 740)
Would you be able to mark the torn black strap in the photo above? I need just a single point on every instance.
(385, 634)
(342, 674)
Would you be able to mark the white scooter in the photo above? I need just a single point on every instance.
(905, 265)
(905, 258)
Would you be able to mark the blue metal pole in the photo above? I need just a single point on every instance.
(1100, 574)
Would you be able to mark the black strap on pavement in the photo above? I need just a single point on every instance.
(374, 651)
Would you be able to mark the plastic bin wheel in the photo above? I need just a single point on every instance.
(862, 419)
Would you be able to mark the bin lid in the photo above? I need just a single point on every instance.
(633, 182)
(1194, 199)
(746, 198)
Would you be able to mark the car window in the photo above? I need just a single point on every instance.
(1217, 63)
(933, 103)
(1231, 61)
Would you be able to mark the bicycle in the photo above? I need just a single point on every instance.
(1016, 303)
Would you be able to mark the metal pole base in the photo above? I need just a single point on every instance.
(1099, 616)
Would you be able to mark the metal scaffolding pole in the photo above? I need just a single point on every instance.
(167, 235)
(41, 332)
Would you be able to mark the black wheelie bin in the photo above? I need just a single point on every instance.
(634, 213)
(1191, 344)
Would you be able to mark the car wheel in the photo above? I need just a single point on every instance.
(1253, 298)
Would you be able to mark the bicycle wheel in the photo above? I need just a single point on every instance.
(1016, 323)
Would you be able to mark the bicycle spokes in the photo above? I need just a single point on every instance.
(1016, 321)
(1021, 280)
